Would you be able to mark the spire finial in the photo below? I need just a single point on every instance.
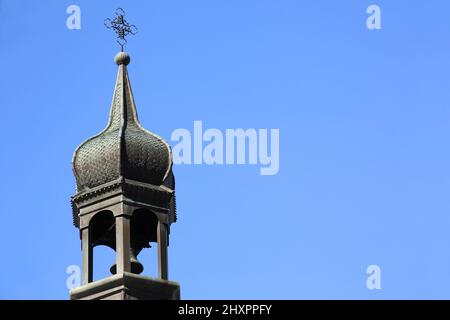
(122, 58)
(121, 27)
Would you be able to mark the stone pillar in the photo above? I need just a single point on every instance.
(123, 244)
(163, 271)
(87, 256)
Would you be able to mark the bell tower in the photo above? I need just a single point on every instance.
(125, 197)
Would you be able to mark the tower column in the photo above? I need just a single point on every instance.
(163, 271)
(87, 256)
(123, 244)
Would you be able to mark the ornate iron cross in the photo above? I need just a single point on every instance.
(121, 27)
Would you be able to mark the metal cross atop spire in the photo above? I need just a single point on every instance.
(121, 27)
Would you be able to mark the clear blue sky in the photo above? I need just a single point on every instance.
(364, 119)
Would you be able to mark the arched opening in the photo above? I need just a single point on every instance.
(102, 228)
(144, 226)
(104, 257)
(103, 234)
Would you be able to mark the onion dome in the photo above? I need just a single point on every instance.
(124, 149)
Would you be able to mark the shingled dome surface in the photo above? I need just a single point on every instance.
(124, 149)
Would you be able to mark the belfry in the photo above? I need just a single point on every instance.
(125, 197)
